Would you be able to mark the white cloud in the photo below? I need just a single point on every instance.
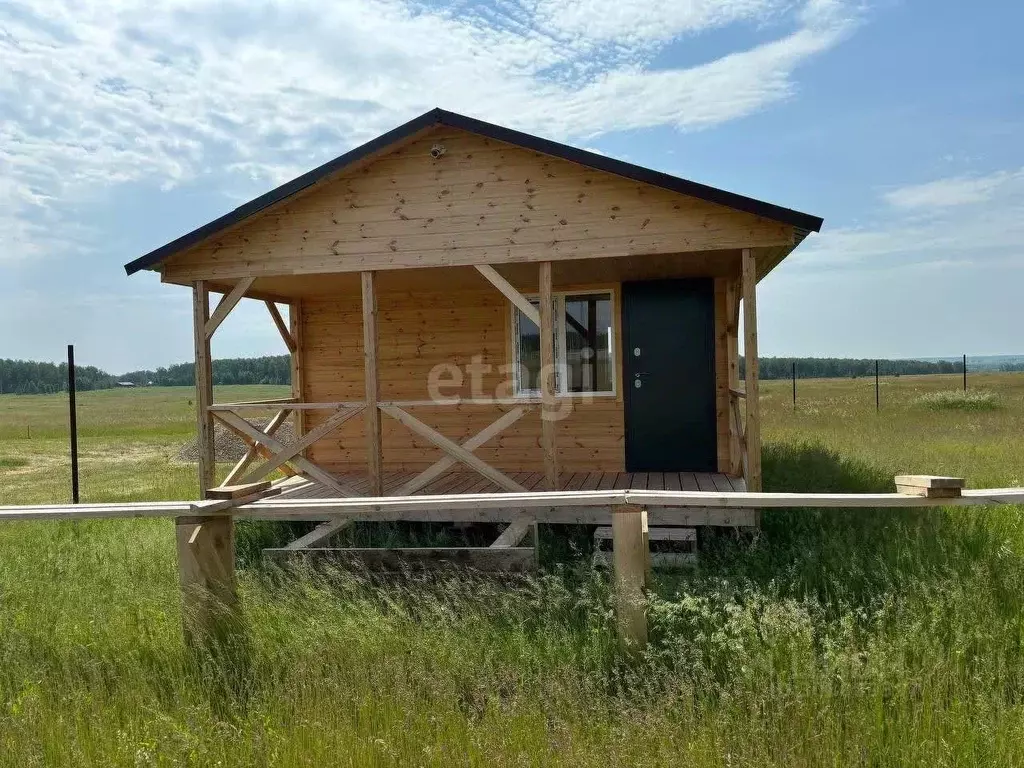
(94, 94)
(942, 193)
(947, 222)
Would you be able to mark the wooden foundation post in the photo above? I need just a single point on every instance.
(206, 573)
(205, 544)
(374, 455)
(549, 404)
(753, 409)
(630, 555)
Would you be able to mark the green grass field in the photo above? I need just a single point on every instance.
(864, 637)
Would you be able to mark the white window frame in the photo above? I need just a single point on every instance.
(558, 308)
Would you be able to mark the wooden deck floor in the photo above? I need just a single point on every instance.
(458, 482)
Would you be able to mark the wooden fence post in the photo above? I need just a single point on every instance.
(630, 556)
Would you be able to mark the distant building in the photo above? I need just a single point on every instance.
(126, 383)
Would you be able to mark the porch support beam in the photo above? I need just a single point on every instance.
(374, 454)
(226, 304)
(204, 384)
(298, 367)
(286, 335)
(205, 544)
(752, 433)
(549, 408)
(453, 449)
(732, 354)
(510, 292)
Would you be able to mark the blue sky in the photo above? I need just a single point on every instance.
(124, 124)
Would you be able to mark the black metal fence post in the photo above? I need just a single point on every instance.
(73, 414)
(878, 399)
(794, 385)
(965, 373)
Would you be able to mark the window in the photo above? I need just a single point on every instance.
(583, 346)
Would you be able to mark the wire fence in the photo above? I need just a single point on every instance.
(48, 424)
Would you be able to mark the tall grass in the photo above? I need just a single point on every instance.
(954, 400)
(874, 637)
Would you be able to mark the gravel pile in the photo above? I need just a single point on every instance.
(228, 446)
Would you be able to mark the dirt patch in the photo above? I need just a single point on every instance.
(228, 446)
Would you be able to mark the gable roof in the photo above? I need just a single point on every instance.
(435, 117)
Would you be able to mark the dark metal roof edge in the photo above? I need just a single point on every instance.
(287, 189)
(499, 133)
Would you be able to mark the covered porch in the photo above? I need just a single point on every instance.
(465, 441)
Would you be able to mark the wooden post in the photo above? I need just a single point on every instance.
(206, 550)
(629, 543)
(206, 573)
(732, 345)
(204, 386)
(753, 428)
(298, 386)
(549, 405)
(374, 457)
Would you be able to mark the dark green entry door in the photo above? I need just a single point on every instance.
(669, 375)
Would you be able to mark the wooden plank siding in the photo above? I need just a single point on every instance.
(484, 201)
(419, 331)
(416, 333)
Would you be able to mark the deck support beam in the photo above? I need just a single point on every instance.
(371, 373)
(630, 555)
(752, 433)
(549, 407)
(205, 544)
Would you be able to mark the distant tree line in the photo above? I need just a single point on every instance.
(271, 369)
(26, 377)
(842, 367)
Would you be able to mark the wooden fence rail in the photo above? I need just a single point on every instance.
(631, 509)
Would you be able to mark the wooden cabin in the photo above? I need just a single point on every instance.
(471, 308)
